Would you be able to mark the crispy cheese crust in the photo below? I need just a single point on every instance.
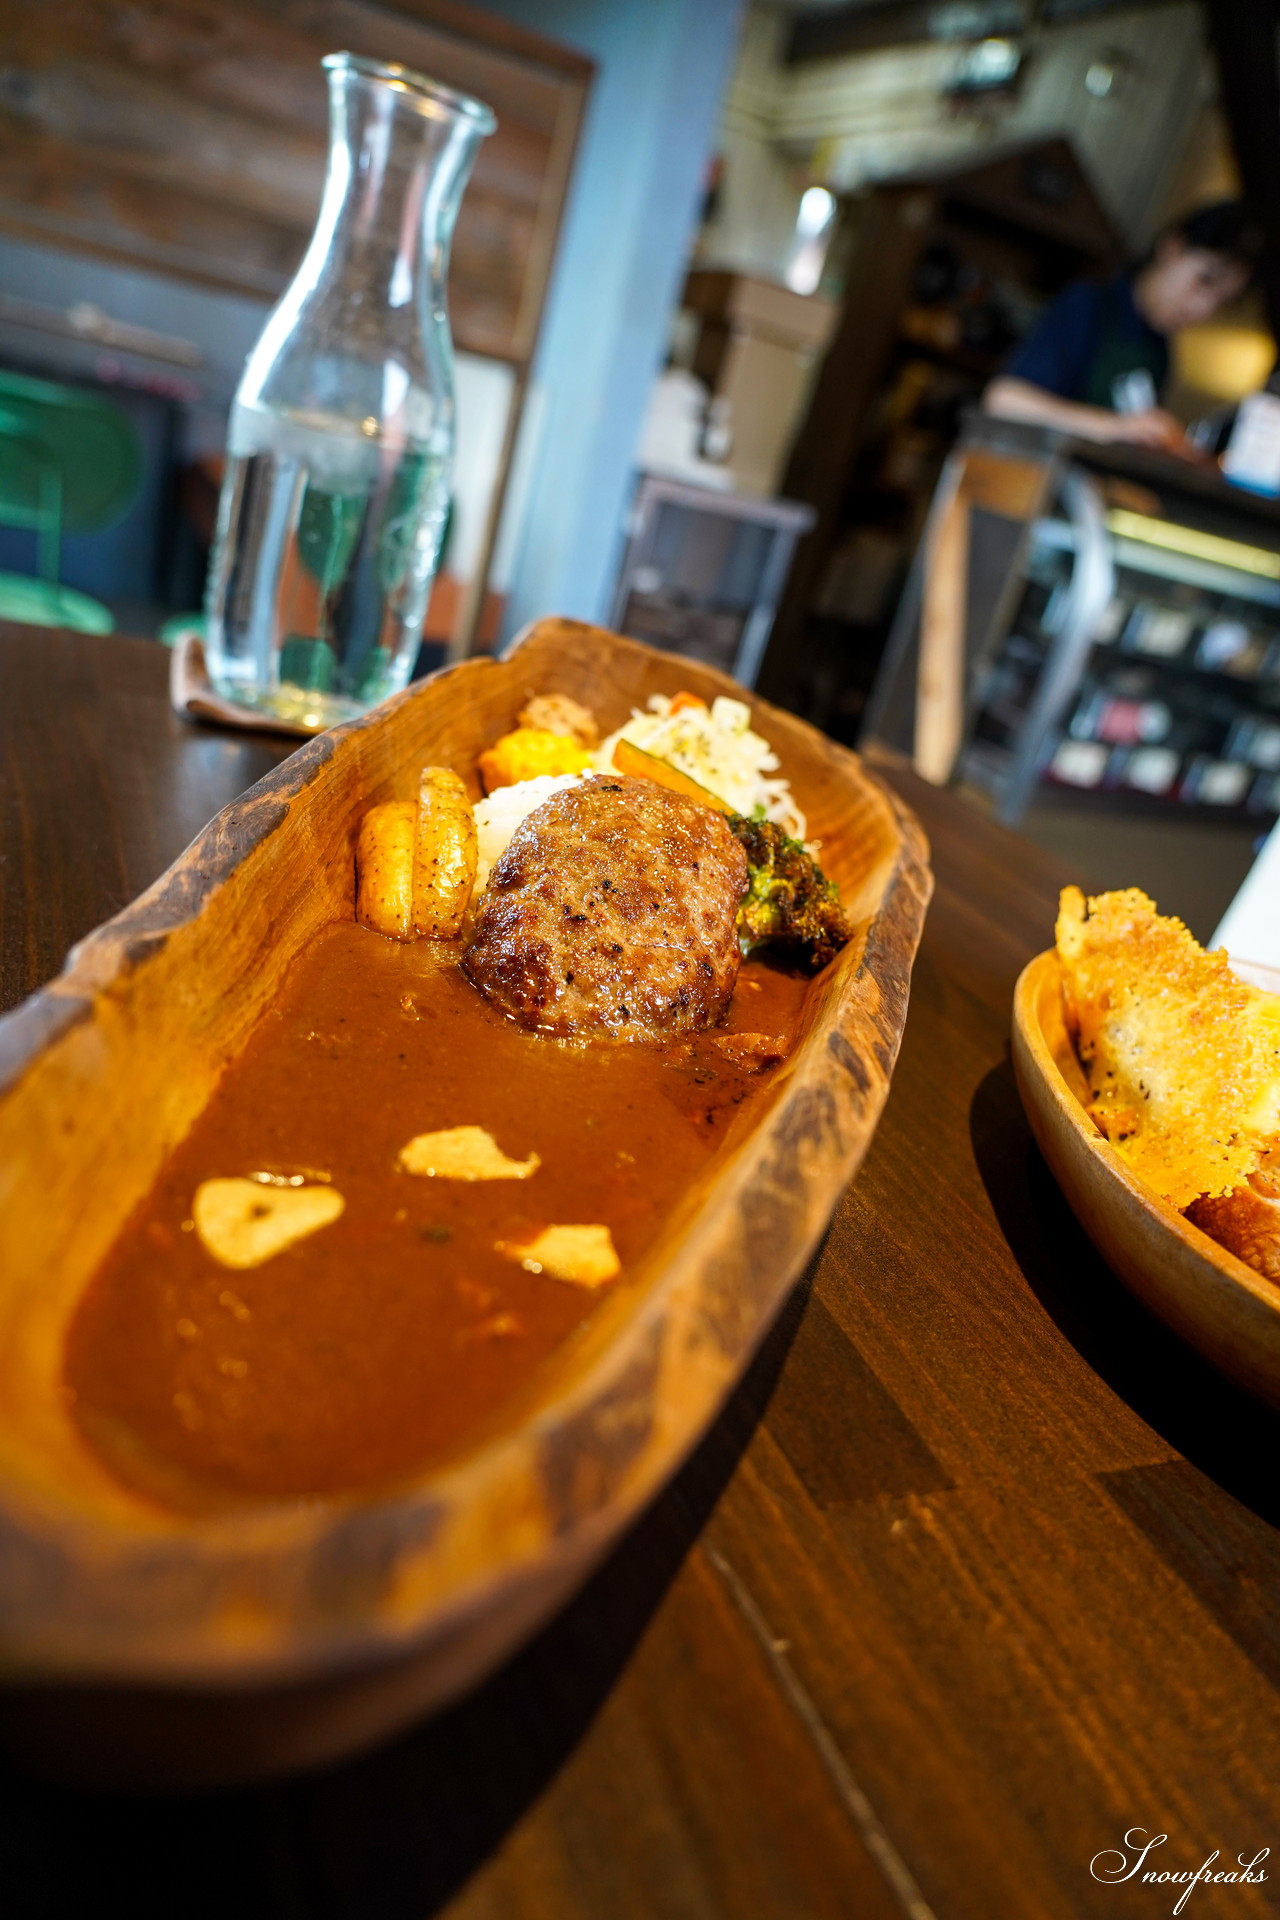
(1182, 1058)
(557, 713)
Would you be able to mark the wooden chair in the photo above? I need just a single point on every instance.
(961, 598)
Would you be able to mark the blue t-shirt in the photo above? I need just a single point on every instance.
(1091, 337)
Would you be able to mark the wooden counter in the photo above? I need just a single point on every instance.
(978, 1571)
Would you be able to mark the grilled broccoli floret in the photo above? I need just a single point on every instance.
(789, 900)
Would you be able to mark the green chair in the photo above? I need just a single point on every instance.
(182, 626)
(70, 462)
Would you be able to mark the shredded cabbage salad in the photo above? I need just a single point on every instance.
(716, 747)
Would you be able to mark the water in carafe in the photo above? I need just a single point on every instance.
(328, 541)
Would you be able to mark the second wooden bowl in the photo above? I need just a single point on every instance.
(1216, 1303)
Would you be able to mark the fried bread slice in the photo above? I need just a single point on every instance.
(1182, 1058)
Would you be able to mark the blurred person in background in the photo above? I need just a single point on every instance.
(1096, 364)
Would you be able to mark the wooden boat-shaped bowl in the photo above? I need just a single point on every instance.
(143, 1645)
(1212, 1300)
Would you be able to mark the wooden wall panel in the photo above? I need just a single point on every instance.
(188, 136)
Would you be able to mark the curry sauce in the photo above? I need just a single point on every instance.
(376, 1346)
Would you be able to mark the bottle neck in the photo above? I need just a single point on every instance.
(394, 184)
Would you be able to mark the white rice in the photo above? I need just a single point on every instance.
(498, 817)
(716, 747)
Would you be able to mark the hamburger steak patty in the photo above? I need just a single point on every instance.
(612, 912)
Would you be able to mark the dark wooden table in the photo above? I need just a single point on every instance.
(978, 1571)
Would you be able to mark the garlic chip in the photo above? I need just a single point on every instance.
(242, 1222)
(463, 1153)
(583, 1255)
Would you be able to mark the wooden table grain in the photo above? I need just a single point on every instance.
(977, 1574)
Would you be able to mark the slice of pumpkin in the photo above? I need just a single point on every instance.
(628, 758)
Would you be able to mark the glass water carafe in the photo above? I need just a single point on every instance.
(340, 443)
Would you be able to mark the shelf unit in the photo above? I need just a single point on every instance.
(1122, 645)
